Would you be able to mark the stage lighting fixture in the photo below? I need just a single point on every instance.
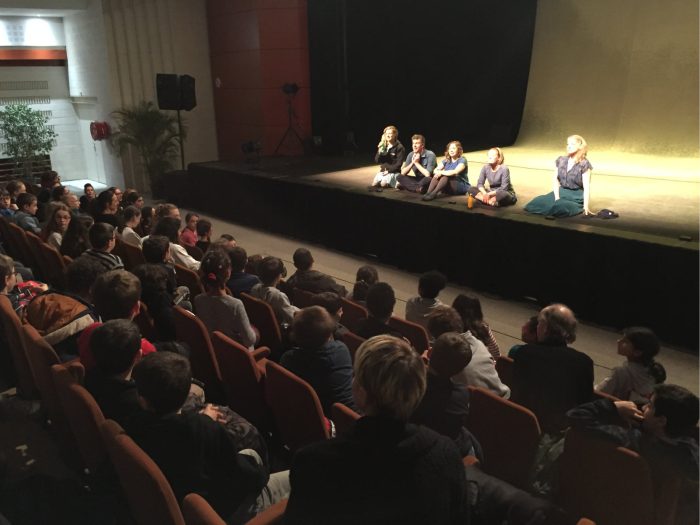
(290, 88)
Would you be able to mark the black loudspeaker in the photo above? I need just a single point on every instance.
(188, 99)
(175, 92)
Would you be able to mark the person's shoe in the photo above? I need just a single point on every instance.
(428, 196)
(399, 187)
(372, 187)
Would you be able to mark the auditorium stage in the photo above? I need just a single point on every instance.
(637, 269)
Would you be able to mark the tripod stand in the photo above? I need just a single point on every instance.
(290, 126)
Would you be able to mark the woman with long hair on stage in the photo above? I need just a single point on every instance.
(500, 192)
(451, 176)
(390, 155)
(572, 184)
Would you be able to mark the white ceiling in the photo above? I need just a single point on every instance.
(41, 7)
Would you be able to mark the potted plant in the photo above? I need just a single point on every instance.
(154, 135)
(27, 136)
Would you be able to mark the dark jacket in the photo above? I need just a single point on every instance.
(315, 282)
(382, 472)
(328, 370)
(372, 326)
(241, 282)
(392, 160)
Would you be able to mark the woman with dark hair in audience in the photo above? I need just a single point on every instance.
(57, 192)
(148, 214)
(105, 208)
(469, 309)
(170, 227)
(500, 192)
(76, 239)
(56, 226)
(218, 310)
(154, 293)
(87, 198)
(133, 198)
(204, 232)
(636, 378)
(365, 278)
(132, 218)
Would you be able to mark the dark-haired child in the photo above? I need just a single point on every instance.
(218, 310)
(418, 309)
(25, 216)
(6, 204)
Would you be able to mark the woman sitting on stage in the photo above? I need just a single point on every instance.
(500, 192)
(390, 155)
(572, 184)
(451, 177)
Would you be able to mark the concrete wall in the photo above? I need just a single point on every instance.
(623, 74)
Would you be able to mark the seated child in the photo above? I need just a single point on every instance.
(25, 216)
(418, 309)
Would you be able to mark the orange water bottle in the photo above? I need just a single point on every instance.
(470, 201)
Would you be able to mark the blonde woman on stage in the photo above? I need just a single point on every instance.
(390, 155)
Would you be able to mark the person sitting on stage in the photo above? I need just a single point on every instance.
(366, 277)
(636, 378)
(572, 184)
(385, 470)
(380, 305)
(451, 177)
(309, 279)
(418, 167)
(500, 191)
(271, 270)
(390, 156)
(418, 309)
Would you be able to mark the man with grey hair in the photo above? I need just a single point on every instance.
(550, 377)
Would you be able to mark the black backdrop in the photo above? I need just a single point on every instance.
(447, 69)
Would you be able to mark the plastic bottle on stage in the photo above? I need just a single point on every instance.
(470, 201)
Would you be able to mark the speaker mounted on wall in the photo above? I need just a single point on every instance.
(176, 92)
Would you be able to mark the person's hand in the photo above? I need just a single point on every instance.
(40, 287)
(629, 412)
(211, 411)
(416, 158)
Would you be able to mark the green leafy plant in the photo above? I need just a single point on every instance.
(153, 134)
(27, 136)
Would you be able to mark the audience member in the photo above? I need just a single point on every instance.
(319, 359)
(156, 250)
(188, 235)
(332, 303)
(550, 377)
(271, 272)
(49, 180)
(204, 232)
(147, 217)
(528, 334)
(481, 370)
(14, 188)
(25, 216)
(70, 200)
(218, 310)
(240, 281)
(102, 240)
(252, 265)
(445, 405)
(133, 198)
(418, 309)
(56, 226)
(155, 283)
(384, 470)
(309, 279)
(6, 204)
(105, 208)
(380, 306)
(87, 198)
(365, 278)
(636, 378)
(76, 240)
(195, 453)
(132, 218)
(167, 210)
(469, 308)
(169, 227)
(228, 239)
(19, 293)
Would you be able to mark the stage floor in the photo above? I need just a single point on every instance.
(658, 199)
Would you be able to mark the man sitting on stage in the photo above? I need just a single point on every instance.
(418, 167)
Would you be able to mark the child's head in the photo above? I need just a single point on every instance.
(59, 220)
(303, 259)
(59, 191)
(5, 199)
(239, 258)
(271, 269)
(168, 210)
(115, 345)
(528, 332)
(132, 216)
(15, 187)
(49, 179)
(116, 295)
(7, 273)
(156, 249)
(168, 227)
(430, 284)
(638, 344)
(163, 381)
(451, 353)
(102, 237)
(331, 302)
(469, 307)
(27, 203)
(312, 327)
(252, 265)
(381, 301)
(191, 220)
(673, 411)
(89, 190)
(444, 319)
(81, 274)
(215, 269)
(204, 229)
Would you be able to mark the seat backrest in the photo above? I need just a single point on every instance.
(42, 357)
(119, 250)
(148, 493)
(191, 330)
(263, 317)
(14, 335)
(5, 236)
(353, 313)
(20, 245)
(145, 323)
(190, 279)
(55, 266)
(353, 342)
(595, 477)
(295, 406)
(133, 256)
(509, 435)
(343, 417)
(35, 243)
(273, 515)
(302, 298)
(197, 511)
(504, 368)
(415, 333)
(242, 380)
(84, 417)
(194, 252)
